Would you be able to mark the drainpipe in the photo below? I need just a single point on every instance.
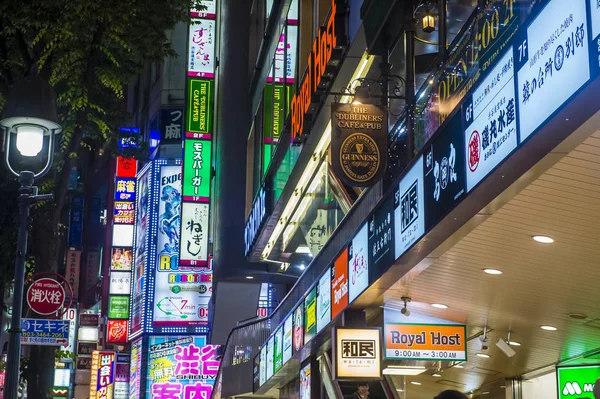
(410, 27)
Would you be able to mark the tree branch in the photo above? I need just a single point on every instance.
(24, 50)
(6, 72)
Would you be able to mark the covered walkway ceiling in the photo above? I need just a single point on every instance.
(541, 284)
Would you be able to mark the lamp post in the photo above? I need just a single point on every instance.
(30, 123)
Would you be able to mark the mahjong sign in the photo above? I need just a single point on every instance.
(577, 382)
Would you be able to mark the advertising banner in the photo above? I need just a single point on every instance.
(126, 167)
(73, 270)
(305, 378)
(120, 283)
(169, 218)
(425, 342)
(491, 134)
(263, 365)
(324, 301)
(197, 170)
(282, 62)
(142, 223)
(445, 178)
(201, 51)
(298, 337)
(357, 353)
(76, 222)
(577, 381)
(121, 259)
(278, 348)
(194, 235)
(70, 316)
(359, 139)
(358, 264)
(170, 125)
(125, 189)
(270, 357)
(45, 332)
(339, 284)
(124, 212)
(310, 315)
(209, 12)
(288, 330)
(181, 299)
(552, 60)
(116, 331)
(409, 212)
(184, 367)
(135, 369)
(102, 375)
(200, 108)
(118, 307)
(381, 237)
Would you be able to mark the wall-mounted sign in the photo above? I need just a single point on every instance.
(358, 264)
(121, 259)
(135, 369)
(181, 299)
(122, 235)
(126, 167)
(118, 307)
(358, 143)
(283, 63)
(170, 125)
(201, 52)
(444, 172)
(120, 283)
(102, 375)
(298, 334)
(116, 331)
(169, 218)
(89, 320)
(425, 342)
(86, 348)
(324, 301)
(71, 316)
(76, 222)
(210, 10)
(339, 284)
(263, 365)
(73, 270)
(124, 212)
(305, 381)
(256, 218)
(124, 189)
(270, 357)
(200, 108)
(357, 353)
(381, 237)
(409, 213)
(288, 330)
(310, 315)
(274, 99)
(256, 373)
(184, 367)
(46, 296)
(552, 58)
(197, 170)
(577, 382)
(317, 62)
(490, 115)
(194, 235)
(278, 350)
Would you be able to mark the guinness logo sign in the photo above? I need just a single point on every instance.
(359, 157)
(358, 143)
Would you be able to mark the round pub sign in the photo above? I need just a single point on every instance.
(46, 296)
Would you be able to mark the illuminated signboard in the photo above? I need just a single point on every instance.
(358, 264)
(116, 331)
(270, 357)
(281, 61)
(553, 62)
(122, 235)
(256, 218)
(310, 315)
(194, 235)
(317, 62)
(169, 218)
(577, 381)
(425, 342)
(278, 350)
(120, 283)
(200, 108)
(339, 284)
(118, 307)
(182, 298)
(125, 189)
(73, 270)
(381, 237)
(288, 330)
(263, 365)
(183, 366)
(409, 213)
(126, 167)
(305, 381)
(324, 301)
(210, 10)
(298, 328)
(197, 170)
(201, 52)
(142, 224)
(124, 212)
(71, 316)
(102, 375)
(357, 353)
(490, 115)
(135, 369)
(121, 259)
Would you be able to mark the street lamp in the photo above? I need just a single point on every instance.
(30, 124)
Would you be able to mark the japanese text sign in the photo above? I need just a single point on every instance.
(357, 353)
(102, 375)
(197, 170)
(116, 331)
(171, 125)
(201, 51)
(73, 269)
(45, 296)
(425, 342)
(45, 332)
(126, 167)
(194, 235)
(124, 189)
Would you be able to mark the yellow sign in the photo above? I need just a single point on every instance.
(357, 353)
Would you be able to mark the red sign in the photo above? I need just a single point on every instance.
(46, 296)
(116, 332)
(126, 167)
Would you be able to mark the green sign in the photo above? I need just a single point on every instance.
(310, 315)
(196, 169)
(200, 106)
(118, 307)
(577, 382)
(273, 109)
(278, 354)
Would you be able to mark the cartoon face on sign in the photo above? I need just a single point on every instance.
(298, 329)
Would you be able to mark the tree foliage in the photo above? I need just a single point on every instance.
(89, 51)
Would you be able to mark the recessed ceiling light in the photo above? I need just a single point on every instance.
(404, 370)
(502, 386)
(514, 343)
(415, 383)
(250, 277)
(483, 355)
(548, 328)
(303, 249)
(492, 271)
(436, 375)
(543, 239)
(439, 305)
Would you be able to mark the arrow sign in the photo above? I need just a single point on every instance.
(45, 332)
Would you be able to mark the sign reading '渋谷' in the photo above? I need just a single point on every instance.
(358, 143)
(199, 108)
